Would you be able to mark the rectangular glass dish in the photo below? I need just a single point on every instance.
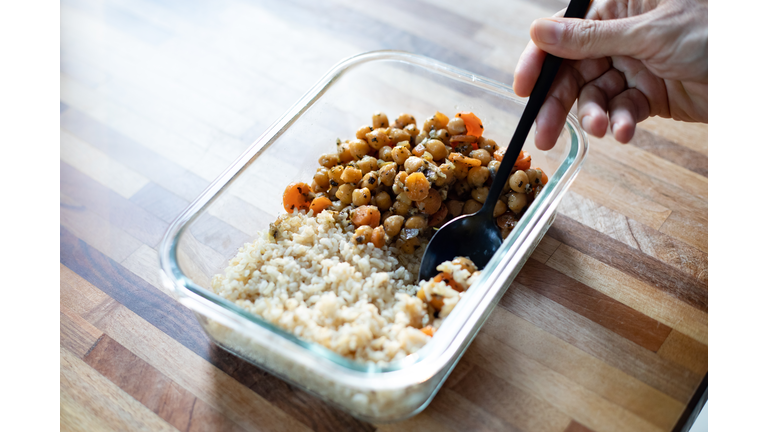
(247, 197)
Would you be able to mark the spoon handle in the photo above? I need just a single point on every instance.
(576, 9)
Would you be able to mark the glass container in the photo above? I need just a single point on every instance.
(247, 197)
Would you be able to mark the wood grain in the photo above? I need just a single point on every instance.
(605, 327)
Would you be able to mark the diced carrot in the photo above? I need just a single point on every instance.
(442, 118)
(472, 123)
(544, 178)
(296, 195)
(319, 204)
(523, 161)
(428, 330)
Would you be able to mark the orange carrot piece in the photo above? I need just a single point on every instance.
(472, 123)
(296, 195)
(523, 161)
(544, 178)
(319, 204)
(428, 330)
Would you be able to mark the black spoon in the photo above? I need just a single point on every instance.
(476, 236)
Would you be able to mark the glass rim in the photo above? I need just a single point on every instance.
(484, 289)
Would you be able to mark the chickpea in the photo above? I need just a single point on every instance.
(361, 197)
(332, 193)
(363, 235)
(387, 174)
(478, 175)
(329, 160)
(377, 138)
(351, 175)
(412, 130)
(400, 154)
(382, 200)
(360, 134)
(404, 119)
(431, 204)
(401, 208)
(417, 186)
(380, 120)
(437, 149)
(321, 178)
(404, 198)
(344, 193)
(420, 137)
(385, 153)
(345, 154)
(460, 170)
(447, 170)
(482, 155)
(443, 136)
(480, 194)
(335, 175)
(413, 164)
(462, 187)
(487, 144)
(534, 176)
(399, 185)
(432, 123)
(517, 201)
(418, 222)
(456, 126)
(369, 180)
(393, 224)
(455, 207)
(409, 246)
(493, 167)
(378, 237)
(367, 164)
(500, 208)
(398, 135)
(518, 181)
(471, 206)
(316, 187)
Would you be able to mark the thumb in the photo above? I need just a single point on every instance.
(578, 39)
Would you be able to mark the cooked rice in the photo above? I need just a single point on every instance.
(306, 276)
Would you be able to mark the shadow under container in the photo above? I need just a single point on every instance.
(247, 197)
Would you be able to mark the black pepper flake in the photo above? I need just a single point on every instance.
(481, 127)
(520, 184)
(360, 239)
(371, 180)
(333, 183)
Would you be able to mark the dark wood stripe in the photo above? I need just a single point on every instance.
(594, 305)
(575, 426)
(133, 155)
(462, 415)
(62, 107)
(120, 212)
(179, 323)
(153, 389)
(160, 202)
(630, 261)
(614, 350)
(673, 152)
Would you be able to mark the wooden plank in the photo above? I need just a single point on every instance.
(630, 261)
(118, 211)
(663, 375)
(688, 227)
(691, 135)
(459, 414)
(685, 351)
(100, 167)
(509, 402)
(547, 246)
(639, 296)
(574, 400)
(583, 369)
(160, 202)
(88, 401)
(144, 263)
(593, 305)
(663, 247)
(151, 388)
(180, 324)
(76, 294)
(618, 198)
(575, 426)
(76, 334)
(668, 150)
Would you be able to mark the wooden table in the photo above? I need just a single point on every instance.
(604, 329)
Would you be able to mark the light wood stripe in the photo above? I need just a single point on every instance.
(685, 351)
(90, 402)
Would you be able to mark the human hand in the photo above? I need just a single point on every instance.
(626, 61)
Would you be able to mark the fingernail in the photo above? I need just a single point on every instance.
(586, 123)
(549, 32)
